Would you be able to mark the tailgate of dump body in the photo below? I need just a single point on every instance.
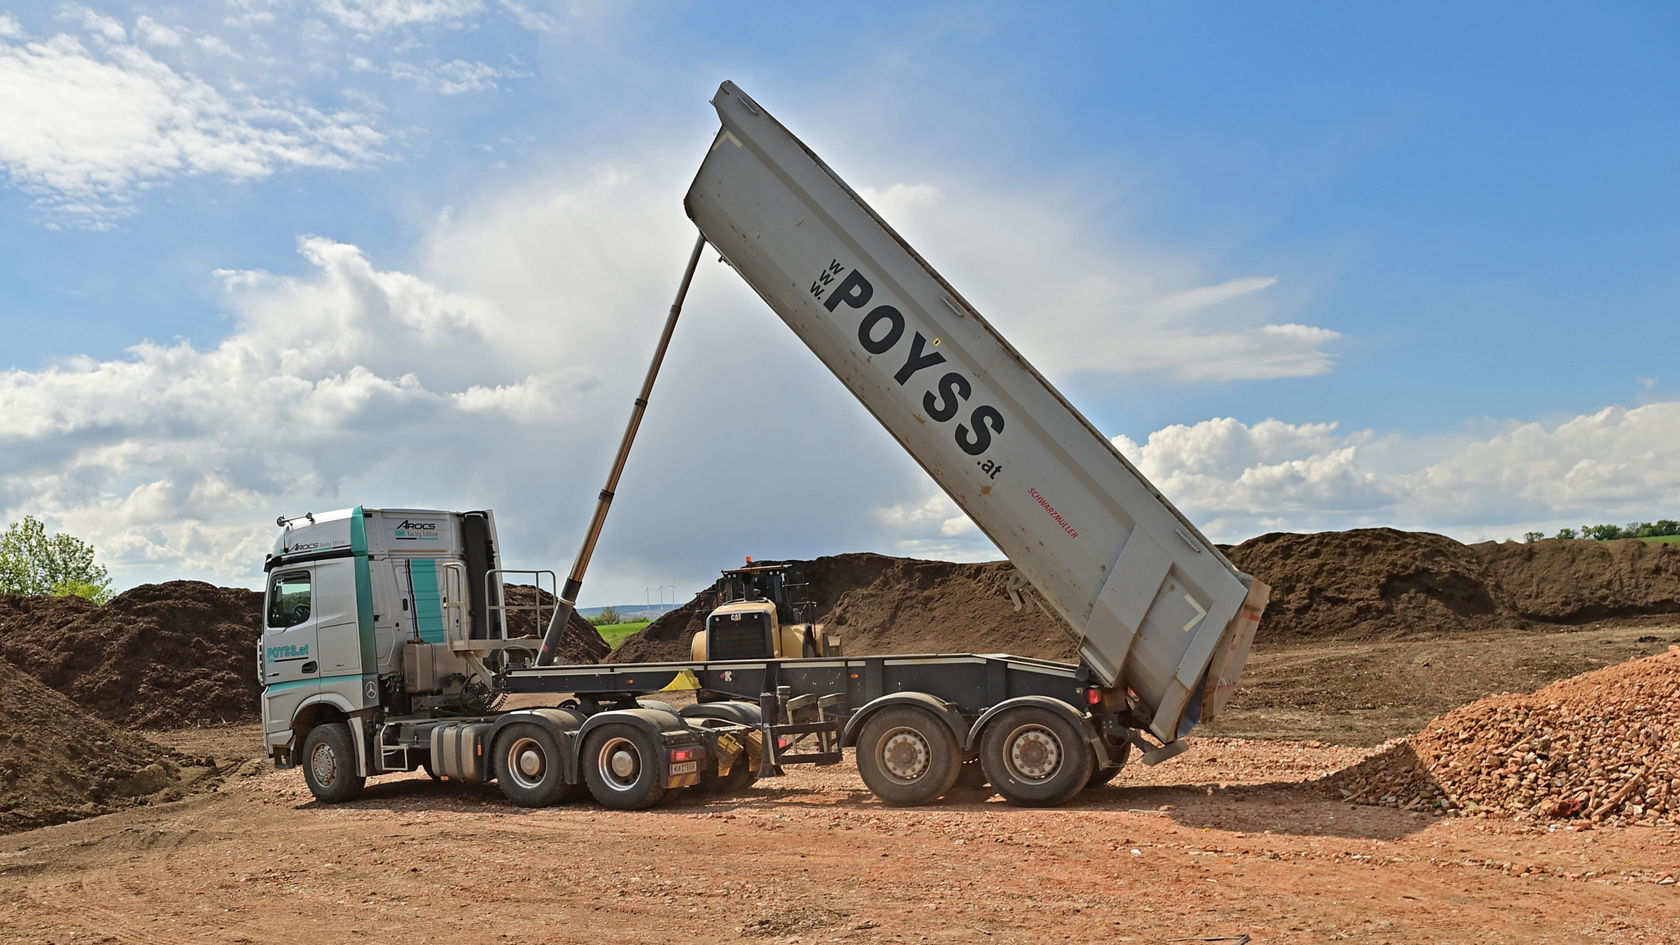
(1151, 603)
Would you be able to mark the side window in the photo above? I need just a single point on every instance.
(288, 599)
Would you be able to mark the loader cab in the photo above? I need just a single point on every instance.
(756, 616)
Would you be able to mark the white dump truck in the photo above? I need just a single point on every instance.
(387, 646)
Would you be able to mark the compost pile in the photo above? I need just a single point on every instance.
(579, 643)
(1574, 582)
(882, 604)
(1603, 747)
(59, 763)
(1362, 585)
(159, 656)
(1381, 583)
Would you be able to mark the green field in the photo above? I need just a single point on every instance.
(614, 633)
(1664, 539)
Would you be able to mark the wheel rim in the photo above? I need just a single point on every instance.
(905, 754)
(1033, 753)
(527, 762)
(619, 763)
(324, 764)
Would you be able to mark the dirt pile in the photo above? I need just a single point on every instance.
(1363, 585)
(1367, 583)
(580, 643)
(1381, 583)
(882, 604)
(1604, 746)
(1574, 582)
(59, 763)
(158, 656)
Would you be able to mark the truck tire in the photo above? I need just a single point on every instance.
(529, 770)
(621, 766)
(907, 756)
(329, 763)
(1035, 757)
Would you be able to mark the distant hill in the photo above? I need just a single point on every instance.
(631, 611)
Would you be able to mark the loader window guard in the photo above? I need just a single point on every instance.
(288, 599)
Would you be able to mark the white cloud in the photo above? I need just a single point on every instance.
(449, 78)
(9, 27)
(1045, 274)
(100, 25)
(153, 33)
(1617, 464)
(87, 127)
(377, 16)
(531, 19)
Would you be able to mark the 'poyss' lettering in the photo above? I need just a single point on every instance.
(881, 330)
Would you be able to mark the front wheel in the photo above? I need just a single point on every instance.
(329, 763)
(528, 766)
(907, 756)
(621, 767)
(1035, 757)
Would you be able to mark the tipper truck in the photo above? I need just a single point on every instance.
(387, 648)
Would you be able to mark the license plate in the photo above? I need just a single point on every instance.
(685, 767)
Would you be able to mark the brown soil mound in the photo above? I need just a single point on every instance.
(581, 643)
(881, 604)
(1362, 585)
(1579, 581)
(59, 763)
(1373, 583)
(158, 656)
(1601, 746)
(177, 654)
(1366, 583)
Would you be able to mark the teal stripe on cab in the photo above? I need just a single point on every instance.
(428, 601)
(276, 687)
(364, 608)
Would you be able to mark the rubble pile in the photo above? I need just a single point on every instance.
(1602, 747)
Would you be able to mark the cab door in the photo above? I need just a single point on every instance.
(291, 661)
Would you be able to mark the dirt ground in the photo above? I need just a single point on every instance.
(1361, 693)
(1240, 839)
(1232, 839)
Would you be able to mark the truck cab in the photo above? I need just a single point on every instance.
(372, 610)
(756, 617)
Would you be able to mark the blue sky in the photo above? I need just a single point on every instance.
(1313, 266)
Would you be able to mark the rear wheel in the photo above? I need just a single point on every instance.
(1035, 757)
(528, 766)
(329, 763)
(907, 756)
(621, 767)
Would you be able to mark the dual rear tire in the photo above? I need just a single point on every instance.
(1032, 755)
(1036, 757)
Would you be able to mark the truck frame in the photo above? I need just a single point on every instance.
(405, 609)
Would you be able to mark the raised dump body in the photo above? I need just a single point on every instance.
(1151, 603)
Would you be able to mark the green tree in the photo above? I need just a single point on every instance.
(35, 563)
(1532, 537)
(607, 617)
(1567, 533)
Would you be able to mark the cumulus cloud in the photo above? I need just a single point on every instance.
(1616, 464)
(497, 374)
(167, 453)
(89, 123)
(1044, 274)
